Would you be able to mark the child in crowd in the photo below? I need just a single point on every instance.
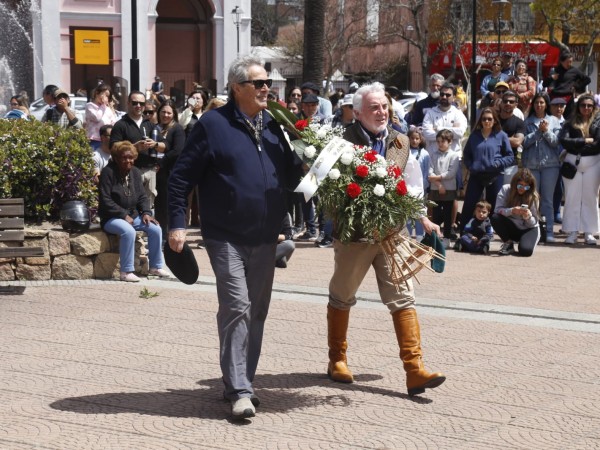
(442, 178)
(417, 149)
(478, 232)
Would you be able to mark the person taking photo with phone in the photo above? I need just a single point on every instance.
(516, 215)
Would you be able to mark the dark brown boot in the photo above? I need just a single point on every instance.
(408, 334)
(337, 327)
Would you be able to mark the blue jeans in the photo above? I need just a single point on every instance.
(546, 183)
(126, 234)
(473, 194)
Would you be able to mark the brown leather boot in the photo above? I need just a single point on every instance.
(337, 326)
(408, 334)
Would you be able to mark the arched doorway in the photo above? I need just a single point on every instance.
(184, 45)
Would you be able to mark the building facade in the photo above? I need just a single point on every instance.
(77, 42)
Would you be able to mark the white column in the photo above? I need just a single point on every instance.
(126, 40)
(46, 38)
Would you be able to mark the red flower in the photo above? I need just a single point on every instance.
(301, 124)
(401, 188)
(353, 190)
(395, 171)
(362, 171)
(370, 156)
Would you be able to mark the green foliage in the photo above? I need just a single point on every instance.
(147, 294)
(47, 166)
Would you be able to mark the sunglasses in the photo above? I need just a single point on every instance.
(487, 119)
(445, 94)
(509, 102)
(586, 105)
(524, 187)
(258, 84)
(501, 91)
(149, 113)
(295, 95)
(138, 103)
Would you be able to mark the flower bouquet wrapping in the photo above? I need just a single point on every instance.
(366, 195)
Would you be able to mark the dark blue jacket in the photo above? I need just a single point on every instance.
(488, 156)
(241, 189)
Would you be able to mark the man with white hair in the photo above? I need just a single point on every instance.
(352, 260)
(422, 106)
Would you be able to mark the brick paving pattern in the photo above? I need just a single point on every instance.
(91, 365)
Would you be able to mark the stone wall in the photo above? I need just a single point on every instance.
(71, 256)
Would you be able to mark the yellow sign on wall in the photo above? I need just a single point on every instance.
(91, 47)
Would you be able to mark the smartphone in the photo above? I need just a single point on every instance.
(524, 206)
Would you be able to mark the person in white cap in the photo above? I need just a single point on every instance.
(344, 116)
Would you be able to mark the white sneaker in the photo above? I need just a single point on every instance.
(130, 277)
(571, 238)
(550, 239)
(159, 273)
(242, 408)
(590, 239)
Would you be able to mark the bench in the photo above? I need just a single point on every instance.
(12, 233)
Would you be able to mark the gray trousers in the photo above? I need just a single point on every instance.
(244, 281)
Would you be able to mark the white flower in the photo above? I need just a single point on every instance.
(381, 172)
(379, 190)
(322, 132)
(347, 158)
(380, 159)
(310, 151)
(334, 174)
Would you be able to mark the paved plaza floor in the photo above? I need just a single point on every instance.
(93, 365)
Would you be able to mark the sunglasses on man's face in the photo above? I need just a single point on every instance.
(258, 84)
(149, 112)
(509, 102)
(446, 94)
(137, 103)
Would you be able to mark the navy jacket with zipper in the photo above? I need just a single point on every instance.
(241, 188)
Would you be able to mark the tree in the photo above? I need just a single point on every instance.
(314, 41)
(573, 20)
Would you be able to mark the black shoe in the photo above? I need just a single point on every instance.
(308, 236)
(326, 242)
(281, 262)
(508, 248)
(485, 249)
(458, 246)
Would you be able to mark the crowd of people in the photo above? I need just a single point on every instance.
(521, 123)
(231, 161)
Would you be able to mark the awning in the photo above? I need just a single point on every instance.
(532, 52)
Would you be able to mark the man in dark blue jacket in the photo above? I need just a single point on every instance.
(242, 164)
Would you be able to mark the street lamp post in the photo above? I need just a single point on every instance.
(473, 65)
(408, 29)
(237, 20)
(134, 63)
(500, 4)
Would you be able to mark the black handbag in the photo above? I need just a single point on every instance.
(569, 170)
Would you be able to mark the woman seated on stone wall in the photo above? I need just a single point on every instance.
(124, 209)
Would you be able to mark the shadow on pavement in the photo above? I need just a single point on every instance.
(277, 393)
